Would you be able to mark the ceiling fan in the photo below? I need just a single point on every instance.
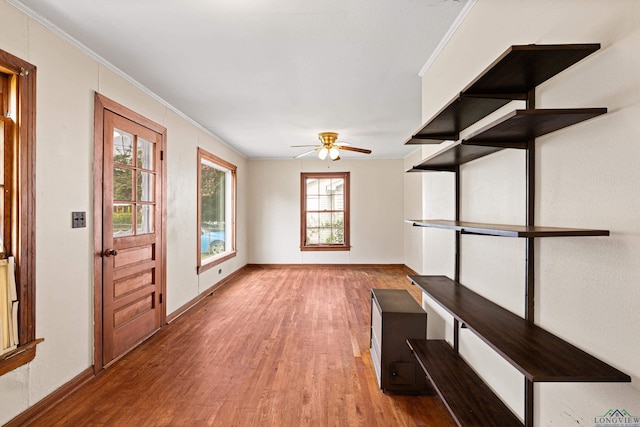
(330, 147)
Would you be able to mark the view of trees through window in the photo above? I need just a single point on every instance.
(132, 210)
(325, 210)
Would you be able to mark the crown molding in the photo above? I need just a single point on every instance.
(93, 55)
(443, 42)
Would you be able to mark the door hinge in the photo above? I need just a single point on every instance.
(161, 154)
(159, 298)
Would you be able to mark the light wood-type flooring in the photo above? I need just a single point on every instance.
(276, 346)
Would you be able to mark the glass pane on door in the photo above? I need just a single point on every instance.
(145, 154)
(145, 187)
(122, 184)
(122, 219)
(144, 219)
(122, 147)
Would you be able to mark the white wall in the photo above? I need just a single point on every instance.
(413, 209)
(429, 249)
(587, 177)
(67, 80)
(376, 212)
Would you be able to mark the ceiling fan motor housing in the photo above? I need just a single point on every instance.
(328, 138)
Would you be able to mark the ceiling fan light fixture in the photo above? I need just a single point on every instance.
(330, 147)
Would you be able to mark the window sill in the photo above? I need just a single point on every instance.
(210, 263)
(325, 248)
(18, 357)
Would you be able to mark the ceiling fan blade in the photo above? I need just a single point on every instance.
(349, 148)
(304, 154)
(337, 158)
(313, 145)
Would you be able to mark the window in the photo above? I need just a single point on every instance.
(324, 209)
(216, 210)
(127, 171)
(17, 208)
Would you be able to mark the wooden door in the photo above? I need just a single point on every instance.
(132, 261)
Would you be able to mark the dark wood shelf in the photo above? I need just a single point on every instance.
(505, 230)
(539, 355)
(470, 401)
(520, 126)
(449, 158)
(460, 113)
(523, 67)
(517, 71)
(513, 130)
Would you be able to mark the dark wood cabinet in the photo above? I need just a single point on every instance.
(539, 355)
(396, 317)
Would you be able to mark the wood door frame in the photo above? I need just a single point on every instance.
(102, 104)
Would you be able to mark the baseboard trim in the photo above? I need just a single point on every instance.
(36, 410)
(190, 304)
(310, 266)
(187, 306)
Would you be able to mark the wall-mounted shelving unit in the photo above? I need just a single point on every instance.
(537, 354)
(506, 230)
(513, 130)
(511, 77)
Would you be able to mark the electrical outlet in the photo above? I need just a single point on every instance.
(78, 219)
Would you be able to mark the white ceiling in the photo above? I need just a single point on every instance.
(263, 75)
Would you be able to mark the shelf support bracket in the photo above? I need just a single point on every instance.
(457, 218)
(528, 398)
(456, 329)
(530, 254)
(531, 210)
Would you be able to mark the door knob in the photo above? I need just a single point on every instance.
(110, 252)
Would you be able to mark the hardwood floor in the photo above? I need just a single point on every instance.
(273, 347)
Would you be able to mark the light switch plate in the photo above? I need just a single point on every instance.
(78, 219)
